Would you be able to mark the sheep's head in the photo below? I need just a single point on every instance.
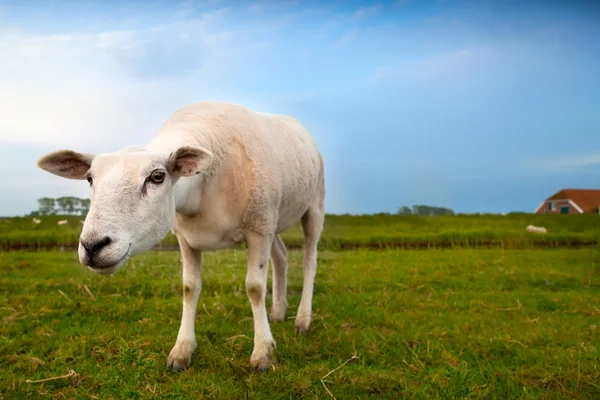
(132, 198)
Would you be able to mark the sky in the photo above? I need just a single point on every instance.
(479, 106)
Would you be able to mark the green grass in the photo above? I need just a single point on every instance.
(369, 231)
(445, 323)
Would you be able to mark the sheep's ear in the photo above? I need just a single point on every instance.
(188, 161)
(66, 163)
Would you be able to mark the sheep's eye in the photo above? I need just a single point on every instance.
(89, 179)
(157, 177)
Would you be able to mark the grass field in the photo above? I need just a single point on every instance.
(442, 323)
(369, 231)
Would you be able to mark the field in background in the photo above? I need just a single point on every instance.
(443, 323)
(370, 231)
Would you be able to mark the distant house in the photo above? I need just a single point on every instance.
(571, 201)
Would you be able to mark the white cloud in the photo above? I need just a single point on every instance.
(100, 91)
(66, 89)
(90, 91)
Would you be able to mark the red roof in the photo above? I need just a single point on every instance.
(587, 199)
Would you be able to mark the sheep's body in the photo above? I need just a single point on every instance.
(536, 229)
(63, 222)
(266, 172)
(216, 174)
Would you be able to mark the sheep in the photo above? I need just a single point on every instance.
(35, 220)
(536, 229)
(219, 175)
(63, 222)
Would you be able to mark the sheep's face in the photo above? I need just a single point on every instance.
(132, 199)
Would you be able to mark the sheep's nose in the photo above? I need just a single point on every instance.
(93, 248)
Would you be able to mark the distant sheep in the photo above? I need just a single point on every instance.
(62, 222)
(536, 229)
(81, 221)
(36, 221)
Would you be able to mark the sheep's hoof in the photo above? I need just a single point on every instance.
(180, 357)
(262, 358)
(278, 313)
(302, 325)
(179, 365)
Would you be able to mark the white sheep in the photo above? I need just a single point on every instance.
(536, 229)
(62, 222)
(35, 220)
(220, 175)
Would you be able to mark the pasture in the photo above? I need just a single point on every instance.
(360, 231)
(488, 311)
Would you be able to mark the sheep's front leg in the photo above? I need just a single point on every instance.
(259, 248)
(180, 357)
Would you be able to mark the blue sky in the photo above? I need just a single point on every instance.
(479, 106)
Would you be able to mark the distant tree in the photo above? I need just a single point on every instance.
(46, 206)
(404, 210)
(443, 211)
(418, 209)
(72, 204)
(429, 210)
(63, 205)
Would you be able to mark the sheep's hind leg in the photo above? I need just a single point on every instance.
(180, 357)
(280, 266)
(312, 224)
(256, 287)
